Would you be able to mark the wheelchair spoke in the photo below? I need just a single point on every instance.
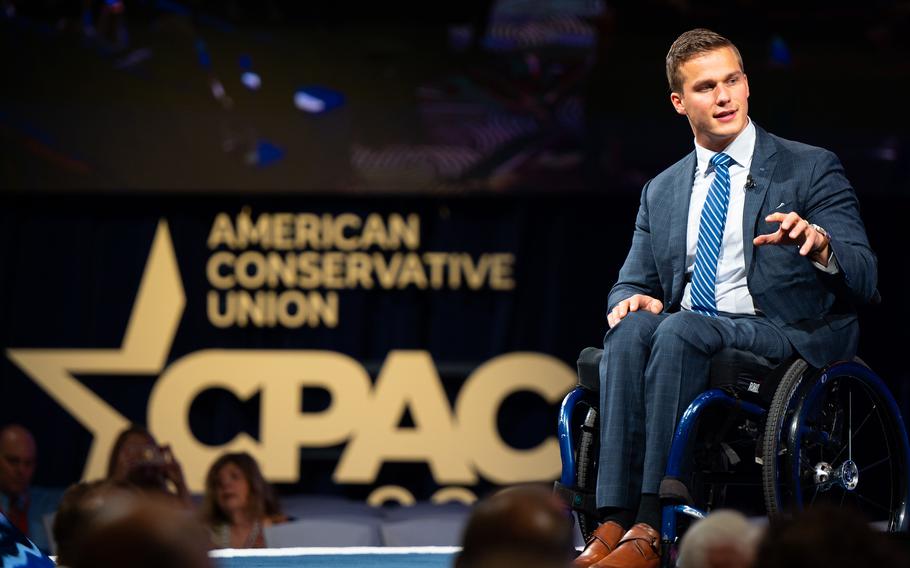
(871, 502)
(855, 432)
(879, 462)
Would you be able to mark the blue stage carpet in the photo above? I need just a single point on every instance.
(360, 557)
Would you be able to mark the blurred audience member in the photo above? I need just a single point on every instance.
(25, 506)
(521, 526)
(827, 537)
(723, 539)
(137, 460)
(238, 503)
(142, 531)
(79, 507)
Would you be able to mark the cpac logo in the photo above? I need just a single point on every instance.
(458, 446)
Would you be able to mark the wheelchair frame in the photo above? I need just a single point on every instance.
(582, 498)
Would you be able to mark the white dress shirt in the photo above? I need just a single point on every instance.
(732, 291)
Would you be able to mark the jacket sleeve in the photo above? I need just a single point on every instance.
(832, 204)
(639, 271)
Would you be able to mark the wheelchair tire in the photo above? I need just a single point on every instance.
(586, 469)
(778, 413)
(836, 437)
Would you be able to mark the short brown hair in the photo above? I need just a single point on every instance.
(692, 44)
(78, 507)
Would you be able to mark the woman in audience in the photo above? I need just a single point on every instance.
(138, 461)
(238, 503)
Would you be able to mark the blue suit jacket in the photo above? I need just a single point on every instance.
(813, 309)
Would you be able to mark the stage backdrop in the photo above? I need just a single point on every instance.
(348, 345)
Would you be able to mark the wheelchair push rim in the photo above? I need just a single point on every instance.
(842, 442)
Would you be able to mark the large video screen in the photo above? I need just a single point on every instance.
(498, 96)
(195, 96)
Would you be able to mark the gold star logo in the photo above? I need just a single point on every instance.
(146, 344)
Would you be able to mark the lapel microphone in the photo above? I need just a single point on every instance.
(750, 183)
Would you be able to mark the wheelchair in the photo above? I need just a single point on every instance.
(800, 435)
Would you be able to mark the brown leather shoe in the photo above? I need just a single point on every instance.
(638, 548)
(601, 543)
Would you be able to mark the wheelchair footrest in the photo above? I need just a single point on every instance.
(577, 499)
(689, 511)
(674, 490)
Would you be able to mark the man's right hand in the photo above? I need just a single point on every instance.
(633, 304)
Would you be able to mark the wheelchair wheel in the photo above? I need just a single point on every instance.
(586, 473)
(836, 437)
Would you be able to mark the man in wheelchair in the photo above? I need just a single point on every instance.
(750, 242)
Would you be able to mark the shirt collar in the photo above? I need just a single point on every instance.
(740, 150)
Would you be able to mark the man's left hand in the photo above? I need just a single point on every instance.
(794, 230)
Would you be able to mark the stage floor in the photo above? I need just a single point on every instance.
(361, 557)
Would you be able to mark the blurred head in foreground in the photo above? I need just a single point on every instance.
(520, 526)
(143, 532)
(79, 507)
(827, 537)
(723, 539)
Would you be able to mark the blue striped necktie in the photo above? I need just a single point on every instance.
(710, 238)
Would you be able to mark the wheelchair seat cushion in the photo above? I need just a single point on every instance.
(734, 369)
(738, 371)
(589, 368)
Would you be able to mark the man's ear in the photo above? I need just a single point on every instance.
(677, 101)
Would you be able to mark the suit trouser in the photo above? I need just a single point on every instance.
(653, 367)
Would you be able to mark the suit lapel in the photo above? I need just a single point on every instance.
(763, 163)
(679, 222)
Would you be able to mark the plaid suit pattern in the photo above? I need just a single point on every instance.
(661, 364)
